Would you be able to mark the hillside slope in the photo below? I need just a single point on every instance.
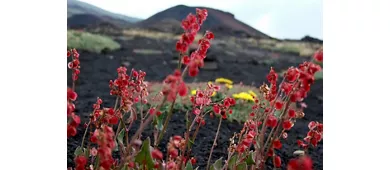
(220, 22)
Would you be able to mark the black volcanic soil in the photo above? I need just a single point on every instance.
(238, 64)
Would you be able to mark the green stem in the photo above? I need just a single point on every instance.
(85, 134)
(166, 123)
(215, 143)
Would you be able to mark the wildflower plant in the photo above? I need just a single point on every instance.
(271, 117)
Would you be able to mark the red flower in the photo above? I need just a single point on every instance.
(186, 60)
(131, 165)
(312, 125)
(216, 109)
(114, 120)
(182, 89)
(193, 161)
(94, 137)
(318, 56)
(134, 73)
(291, 113)
(287, 125)
(156, 154)
(277, 162)
(173, 152)
(70, 108)
(279, 105)
(209, 35)
(286, 87)
(292, 74)
(271, 121)
(277, 144)
(302, 163)
(72, 95)
(152, 110)
(99, 101)
(201, 14)
(226, 103)
(193, 71)
(71, 130)
(272, 76)
(80, 162)
(232, 101)
(247, 142)
(270, 152)
(196, 111)
(299, 142)
(76, 119)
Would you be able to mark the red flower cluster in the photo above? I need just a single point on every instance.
(74, 64)
(191, 25)
(129, 88)
(225, 107)
(104, 137)
(313, 136)
(175, 143)
(203, 98)
(272, 78)
(246, 142)
(175, 84)
(97, 112)
(195, 61)
(74, 119)
(302, 163)
(106, 115)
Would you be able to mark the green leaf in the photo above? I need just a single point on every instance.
(189, 166)
(232, 162)
(190, 143)
(97, 160)
(278, 113)
(217, 165)
(78, 151)
(86, 152)
(242, 166)
(159, 120)
(144, 156)
(120, 136)
(250, 160)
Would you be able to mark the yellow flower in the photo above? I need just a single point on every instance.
(223, 80)
(209, 82)
(244, 96)
(193, 92)
(252, 93)
(229, 86)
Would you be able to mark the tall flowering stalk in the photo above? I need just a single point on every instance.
(73, 119)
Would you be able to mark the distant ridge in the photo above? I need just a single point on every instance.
(218, 21)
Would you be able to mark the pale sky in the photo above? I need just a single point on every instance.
(278, 18)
